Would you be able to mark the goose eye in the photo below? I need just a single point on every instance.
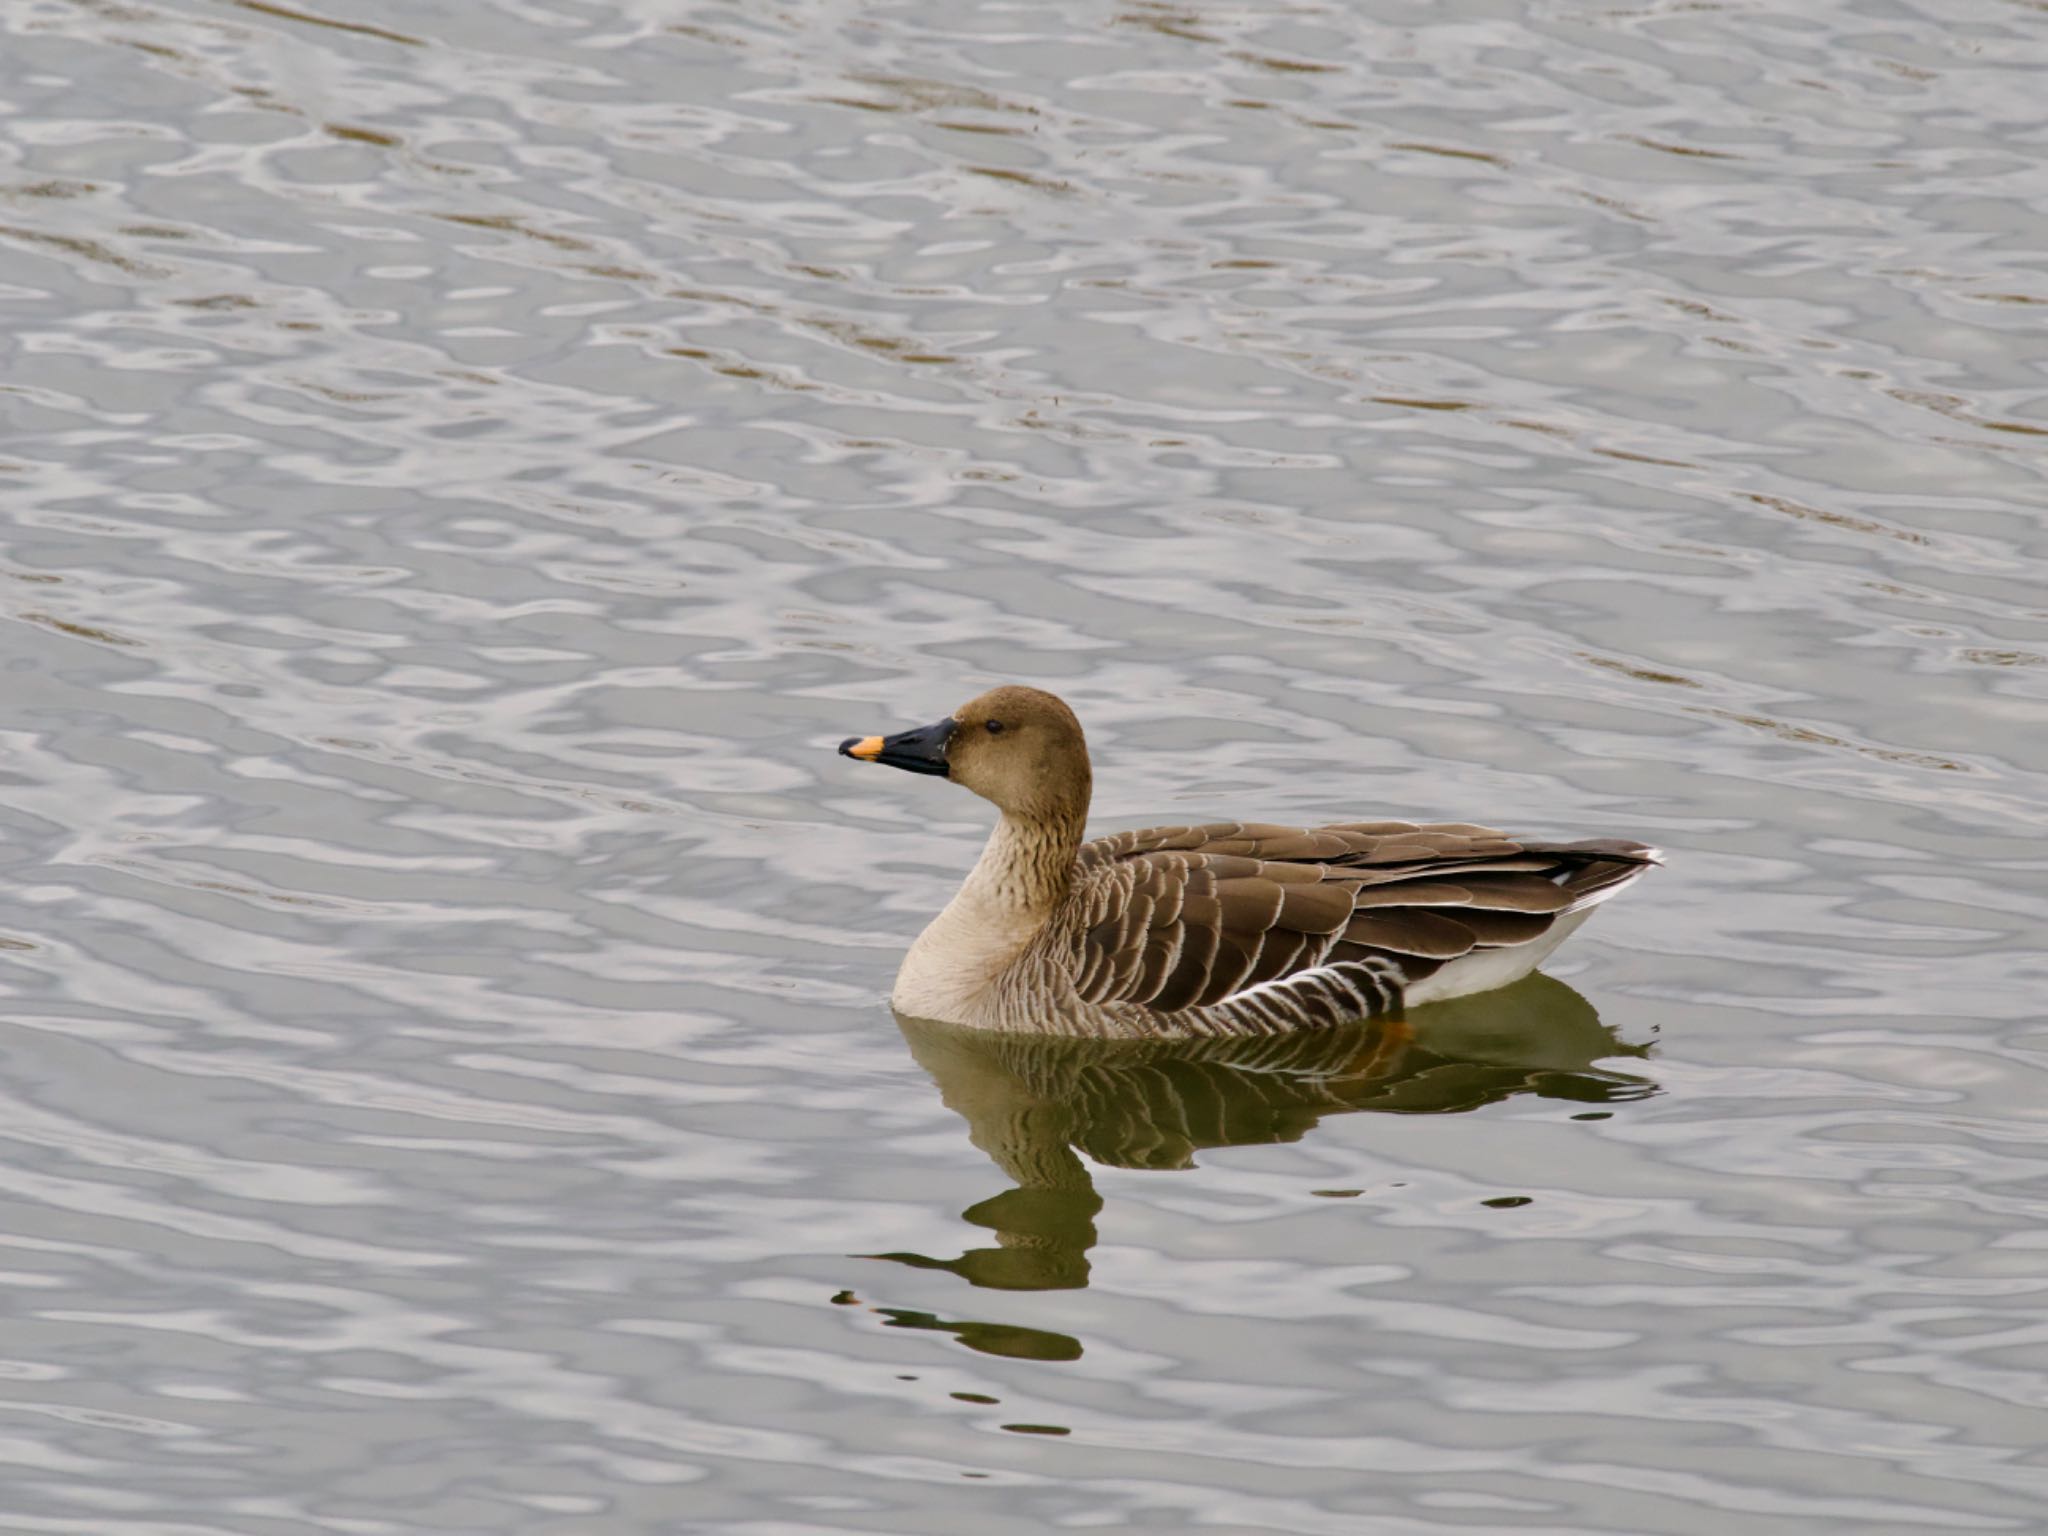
(995, 727)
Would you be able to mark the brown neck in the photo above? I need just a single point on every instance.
(1029, 860)
(1012, 892)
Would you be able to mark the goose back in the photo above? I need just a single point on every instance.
(1248, 928)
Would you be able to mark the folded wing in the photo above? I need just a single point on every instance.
(1197, 918)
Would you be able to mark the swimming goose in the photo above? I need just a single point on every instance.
(1229, 929)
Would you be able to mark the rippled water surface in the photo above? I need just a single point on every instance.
(466, 463)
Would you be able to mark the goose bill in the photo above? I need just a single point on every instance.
(922, 750)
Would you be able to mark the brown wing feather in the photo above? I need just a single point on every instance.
(1236, 953)
(1250, 906)
(1493, 929)
(1281, 953)
(1191, 916)
(1321, 908)
(1183, 985)
(1155, 960)
(1515, 893)
(1418, 932)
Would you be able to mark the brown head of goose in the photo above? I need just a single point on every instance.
(1230, 928)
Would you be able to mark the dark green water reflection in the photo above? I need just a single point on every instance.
(1042, 1107)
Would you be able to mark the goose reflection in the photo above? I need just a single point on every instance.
(1036, 1103)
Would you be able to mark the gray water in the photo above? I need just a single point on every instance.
(465, 464)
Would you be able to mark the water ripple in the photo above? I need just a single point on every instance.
(463, 467)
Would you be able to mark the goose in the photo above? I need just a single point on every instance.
(1233, 928)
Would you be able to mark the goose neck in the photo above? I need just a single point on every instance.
(1027, 865)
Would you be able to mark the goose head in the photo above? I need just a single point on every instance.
(1020, 748)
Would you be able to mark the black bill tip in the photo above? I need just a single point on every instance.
(922, 750)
